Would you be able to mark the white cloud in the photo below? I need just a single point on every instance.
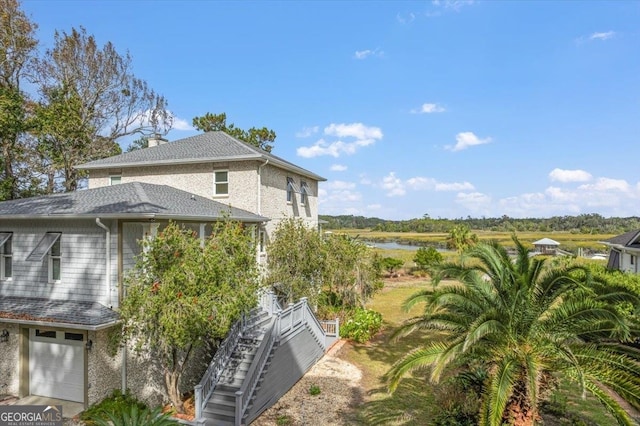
(181, 124)
(307, 131)
(455, 186)
(606, 185)
(338, 168)
(476, 202)
(374, 206)
(363, 135)
(428, 109)
(466, 139)
(560, 175)
(441, 6)
(406, 18)
(602, 35)
(364, 54)
(340, 185)
(393, 185)
(355, 130)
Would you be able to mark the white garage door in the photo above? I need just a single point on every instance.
(56, 364)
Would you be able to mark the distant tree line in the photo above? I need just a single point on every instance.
(585, 224)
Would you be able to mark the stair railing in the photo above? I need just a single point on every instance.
(250, 382)
(203, 390)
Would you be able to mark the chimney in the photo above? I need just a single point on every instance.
(155, 140)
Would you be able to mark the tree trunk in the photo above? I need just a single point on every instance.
(172, 378)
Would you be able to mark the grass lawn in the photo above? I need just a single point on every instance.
(414, 402)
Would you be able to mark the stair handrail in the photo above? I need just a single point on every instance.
(250, 382)
(314, 324)
(204, 389)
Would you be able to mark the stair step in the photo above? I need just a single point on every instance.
(222, 400)
(220, 413)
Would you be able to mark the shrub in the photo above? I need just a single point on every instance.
(135, 416)
(115, 402)
(426, 257)
(362, 325)
(314, 390)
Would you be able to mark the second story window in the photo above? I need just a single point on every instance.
(291, 188)
(6, 253)
(221, 182)
(304, 192)
(115, 180)
(54, 262)
(49, 246)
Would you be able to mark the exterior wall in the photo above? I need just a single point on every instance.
(194, 178)
(10, 360)
(103, 367)
(83, 261)
(243, 187)
(629, 262)
(274, 199)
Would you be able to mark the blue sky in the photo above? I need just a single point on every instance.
(446, 108)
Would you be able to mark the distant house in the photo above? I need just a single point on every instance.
(624, 251)
(546, 246)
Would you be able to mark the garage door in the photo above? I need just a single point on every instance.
(56, 364)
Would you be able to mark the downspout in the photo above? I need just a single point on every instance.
(108, 261)
(260, 186)
(107, 274)
(259, 207)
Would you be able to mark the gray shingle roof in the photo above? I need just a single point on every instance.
(201, 148)
(628, 239)
(128, 200)
(84, 315)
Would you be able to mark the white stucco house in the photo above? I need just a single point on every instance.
(64, 256)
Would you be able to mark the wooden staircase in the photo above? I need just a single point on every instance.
(221, 407)
(263, 356)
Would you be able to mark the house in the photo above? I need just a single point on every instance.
(64, 256)
(546, 246)
(624, 252)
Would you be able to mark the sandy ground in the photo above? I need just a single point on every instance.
(340, 389)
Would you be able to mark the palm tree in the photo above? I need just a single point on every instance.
(461, 238)
(525, 324)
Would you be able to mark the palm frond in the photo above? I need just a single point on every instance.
(500, 390)
(414, 360)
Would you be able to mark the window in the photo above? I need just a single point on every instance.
(221, 182)
(54, 262)
(46, 333)
(115, 180)
(6, 256)
(304, 192)
(291, 188)
(262, 240)
(49, 245)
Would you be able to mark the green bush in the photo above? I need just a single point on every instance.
(314, 390)
(115, 402)
(426, 257)
(135, 416)
(362, 325)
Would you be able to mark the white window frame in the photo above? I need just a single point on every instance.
(304, 192)
(291, 189)
(216, 183)
(262, 241)
(117, 178)
(4, 256)
(55, 258)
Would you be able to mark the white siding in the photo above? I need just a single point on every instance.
(83, 261)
